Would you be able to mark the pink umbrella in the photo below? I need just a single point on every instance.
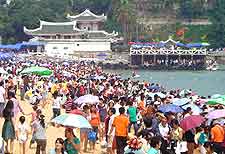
(201, 101)
(192, 121)
(216, 114)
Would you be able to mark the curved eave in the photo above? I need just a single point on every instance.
(98, 17)
(113, 34)
(170, 40)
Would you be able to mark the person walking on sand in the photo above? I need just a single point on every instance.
(40, 135)
(2, 98)
(8, 129)
(120, 124)
(22, 131)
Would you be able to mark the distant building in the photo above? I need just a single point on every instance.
(83, 34)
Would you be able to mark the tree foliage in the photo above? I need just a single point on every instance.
(122, 15)
(217, 29)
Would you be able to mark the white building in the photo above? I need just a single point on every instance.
(82, 35)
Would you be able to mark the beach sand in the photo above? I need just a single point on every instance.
(52, 132)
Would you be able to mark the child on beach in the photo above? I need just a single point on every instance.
(33, 114)
(22, 134)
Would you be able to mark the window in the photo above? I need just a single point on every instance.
(54, 48)
(67, 37)
(65, 48)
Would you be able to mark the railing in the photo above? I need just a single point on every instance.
(167, 52)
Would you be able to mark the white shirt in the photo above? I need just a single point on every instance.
(23, 131)
(2, 93)
(164, 131)
(110, 125)
(117, 106)
(56, 103)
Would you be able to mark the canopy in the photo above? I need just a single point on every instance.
(33, 43)
(18, 46)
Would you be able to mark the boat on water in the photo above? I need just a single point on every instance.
(135, 75)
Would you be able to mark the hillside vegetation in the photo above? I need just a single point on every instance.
(124, 16)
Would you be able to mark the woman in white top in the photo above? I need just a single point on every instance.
(22, 134)
(112, 114)
(56, 104)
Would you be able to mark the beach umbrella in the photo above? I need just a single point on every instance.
(216, 114)
(37, 70)
(170, 108)
(76, 111)
(195, 109)
(99, 78)
(181, 101)
(44, 65)
(161, 95)
(201, 101)
(66, 63)
(2, 71)
(216, 101)
(89, 99)
(67, 74)
(215, 96)
(192, 121)
(72, 120)
(184, 92)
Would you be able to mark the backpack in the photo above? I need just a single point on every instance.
(92, 135)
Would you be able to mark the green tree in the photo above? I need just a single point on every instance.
(186, 9)
(125, 13)
(217, 29)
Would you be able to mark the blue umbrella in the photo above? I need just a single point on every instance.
(161, 95)
(181, 101)
(170, 108)
(196, 110)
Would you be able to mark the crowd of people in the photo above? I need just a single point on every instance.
(127, 119)
(184, 64)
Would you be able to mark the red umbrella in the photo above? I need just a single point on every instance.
(76, 111)
(192, 121)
